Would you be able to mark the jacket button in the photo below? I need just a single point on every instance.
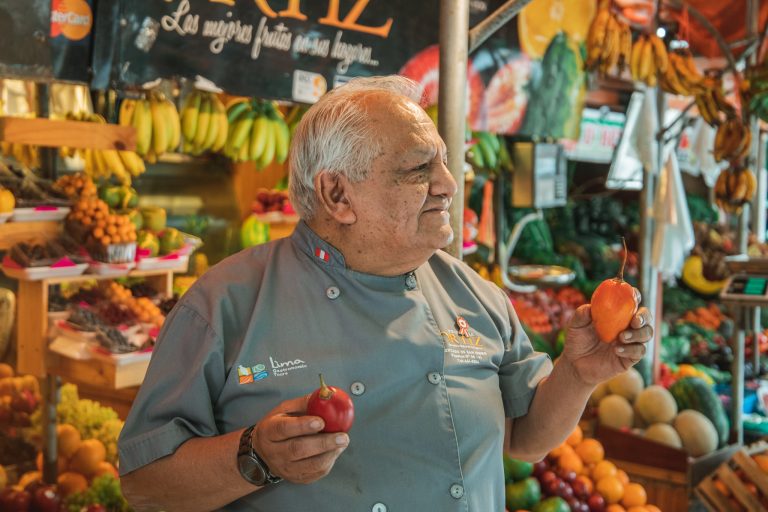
(457, 491)
(434, 377)
(379, 507)
(357, 388)
(410, 281)
(332, 292)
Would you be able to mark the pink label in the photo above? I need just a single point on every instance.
(64, 262)
(46, 208)
(172, 256)
(8, 262)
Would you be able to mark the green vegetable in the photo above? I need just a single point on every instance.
(674, 349)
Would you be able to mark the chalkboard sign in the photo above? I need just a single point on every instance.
(24, 49)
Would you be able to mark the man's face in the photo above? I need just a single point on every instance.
(402, 206)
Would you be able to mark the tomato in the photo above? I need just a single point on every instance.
(334, 406)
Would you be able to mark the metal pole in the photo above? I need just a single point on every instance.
(737, 372)
(452, 118)
(50, 445)
(485, 29)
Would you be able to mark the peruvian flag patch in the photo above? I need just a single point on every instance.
(320, 253)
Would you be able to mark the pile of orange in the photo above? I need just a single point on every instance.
(586, 457)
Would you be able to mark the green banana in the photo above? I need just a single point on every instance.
(240, 131)
(476, 157)
(269, 147)
(236, 110)
(258, 137)
(489, 157)
(282, 140)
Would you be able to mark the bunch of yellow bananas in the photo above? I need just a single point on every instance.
(25, 154)
(734, 188)
(732, 140)
(711, 101)
(609, 43)
(649, 59)
(157, 124)
(257, 132)
(203, 123)
(104, 163)
(682, 77)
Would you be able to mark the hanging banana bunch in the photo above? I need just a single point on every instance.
(735, 188)
(609, 43)
(649, 61)
(711, 102)
(104, 163)
(157, 124)
(732, 140)
(203, 123)
(257, 133)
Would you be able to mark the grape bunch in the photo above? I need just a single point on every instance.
(114, 314)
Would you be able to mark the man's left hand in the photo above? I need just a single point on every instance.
(595, 361)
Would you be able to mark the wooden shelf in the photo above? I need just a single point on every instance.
(97, 372)
(14, 232)
(32, 325)
(74, 134)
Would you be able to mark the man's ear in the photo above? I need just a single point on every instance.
(333, 193)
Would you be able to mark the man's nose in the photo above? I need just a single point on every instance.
(443, 183)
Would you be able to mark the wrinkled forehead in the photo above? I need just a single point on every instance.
(398, 121)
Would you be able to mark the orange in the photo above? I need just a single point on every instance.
(541, 20)
(590, 451)
(637, 509)
(560, 450)
(611, 488)
(70, 483)
(652, 508)
(570, 462)
(615, 508)
(576, 436)
(622, 475)
(634, 495)
(602, 469)
(68, 440)
(88, 456)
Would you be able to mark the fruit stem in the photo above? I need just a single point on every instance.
(624, 262)
(325, 391)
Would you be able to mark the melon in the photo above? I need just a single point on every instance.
(656, 405)
(628, 384)
(697, 433)
(664, 433)
(600, 392)
(616, 412)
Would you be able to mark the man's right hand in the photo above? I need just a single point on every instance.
(291, 443)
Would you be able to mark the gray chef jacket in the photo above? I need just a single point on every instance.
(430, 391)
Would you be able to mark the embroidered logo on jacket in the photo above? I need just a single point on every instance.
(281, 368)
(465, 345)
(248, 374)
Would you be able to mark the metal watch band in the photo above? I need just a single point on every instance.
(246, 450)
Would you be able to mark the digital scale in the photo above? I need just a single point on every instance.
(746, 290)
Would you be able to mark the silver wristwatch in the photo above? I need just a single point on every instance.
(251, 466)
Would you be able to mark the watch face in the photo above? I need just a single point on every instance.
(251, 470)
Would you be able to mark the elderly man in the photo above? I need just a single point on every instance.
(432, 355)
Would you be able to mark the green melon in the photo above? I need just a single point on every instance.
(616, 412)
(697, 433)
(665, 434)
(656, 405)
(628, 384)
(694, 393)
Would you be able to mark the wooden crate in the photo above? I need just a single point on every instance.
(725, 491)
(668, 474)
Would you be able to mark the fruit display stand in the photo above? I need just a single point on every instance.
(668, 474)
(740, 483)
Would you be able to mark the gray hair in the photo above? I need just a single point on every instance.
(334, 135)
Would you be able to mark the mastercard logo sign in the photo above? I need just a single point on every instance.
(71, 18)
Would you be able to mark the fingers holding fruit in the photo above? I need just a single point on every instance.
(640, 329)
(298, 447)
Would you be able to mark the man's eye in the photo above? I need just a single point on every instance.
(422, 167)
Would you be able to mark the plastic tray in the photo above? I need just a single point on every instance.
(163, 262)
(38, 273)
(40, 214)
(110, 269)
